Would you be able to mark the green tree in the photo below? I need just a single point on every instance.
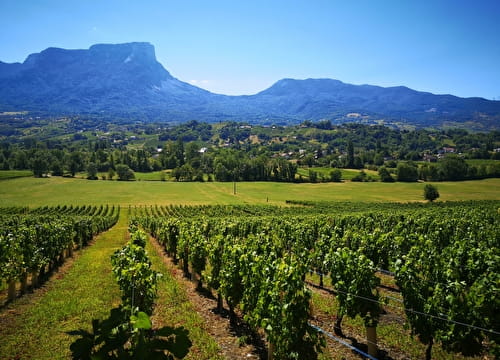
(4, 164)
(431, 193)
(361, 177)
(358, 163)
(111, 173)
(336, 175)
(350, 154)
(452, 167)
(183, 173)
(39, 166)
(308, 160)
(21, 160)
(313, 176)
(221, 173)
(192, 154)
(124, 172)
(57, 169)
(179, 151)
(92, 171)
(428, 172)
(385, 175)
(407, 172)
(75, 162)
(378, 159)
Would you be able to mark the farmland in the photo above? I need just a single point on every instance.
(269, 202)
(253, 262)
(57, 190)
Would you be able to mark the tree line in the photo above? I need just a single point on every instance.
(238, 152)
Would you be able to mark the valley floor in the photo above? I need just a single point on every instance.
(33, 192)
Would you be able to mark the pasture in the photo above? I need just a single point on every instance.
(29, 191)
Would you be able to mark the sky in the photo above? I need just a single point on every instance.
(243, 47)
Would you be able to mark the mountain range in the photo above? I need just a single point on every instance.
(126, 80)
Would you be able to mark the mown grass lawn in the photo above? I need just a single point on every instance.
(59, 191)
(347, 174)
(12, 174)
(139, 176)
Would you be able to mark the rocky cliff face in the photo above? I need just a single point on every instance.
(102, 78)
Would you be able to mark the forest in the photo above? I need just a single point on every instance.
(196, 151)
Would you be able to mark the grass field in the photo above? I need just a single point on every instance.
(12, 174)
(141, 176)
(31, 191)
(347, 174)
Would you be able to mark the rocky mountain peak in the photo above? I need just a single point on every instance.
(141, 52)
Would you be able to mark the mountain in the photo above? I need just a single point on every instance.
(126, 80)
(320, 98)
(105, 78)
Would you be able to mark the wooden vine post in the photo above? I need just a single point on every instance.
(11, 294)
(34, 278)
(24, 282)
(371, 339)
(353, 277)
(270, 351)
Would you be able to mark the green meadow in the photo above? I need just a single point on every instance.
(347, 174)
(12, 174)
(29, 191)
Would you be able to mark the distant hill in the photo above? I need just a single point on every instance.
(126, 80)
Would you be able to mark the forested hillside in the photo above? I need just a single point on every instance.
(197, 151)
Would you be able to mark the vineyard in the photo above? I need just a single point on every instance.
(34, 242)
(309, 279)
(443, 262)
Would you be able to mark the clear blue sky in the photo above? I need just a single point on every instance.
(242, 47)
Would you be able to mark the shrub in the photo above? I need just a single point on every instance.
(385, 175)
(336, 175)
(431, 193)
(124, 172)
